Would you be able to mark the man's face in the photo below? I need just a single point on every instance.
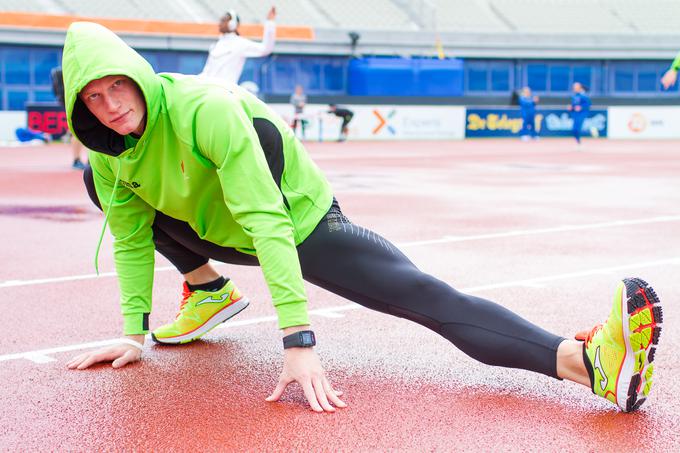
(577, 87)
(117, 102)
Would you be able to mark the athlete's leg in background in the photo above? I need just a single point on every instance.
(578, 124)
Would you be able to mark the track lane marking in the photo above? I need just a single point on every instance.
(445, 239)
(43, 355)
(539, 231)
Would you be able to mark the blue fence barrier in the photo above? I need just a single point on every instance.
(507, 122)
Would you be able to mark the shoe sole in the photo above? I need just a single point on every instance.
(641, 330)
(218, 318)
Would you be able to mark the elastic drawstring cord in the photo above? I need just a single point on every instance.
(106, 221)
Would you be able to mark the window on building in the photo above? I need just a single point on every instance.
(16, 100)
(311, 72)
(477, 79)
(583, 75)
(500, 79)
(44, 96)
(537, 77)
(17, 67)
(43, 63)
(190, 63)
(623, 78)
(559, 78)
(334, 75)
(647, 80)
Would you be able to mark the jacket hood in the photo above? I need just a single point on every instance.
(91, 52)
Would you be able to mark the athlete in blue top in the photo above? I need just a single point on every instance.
(579, 108)
(527, 105)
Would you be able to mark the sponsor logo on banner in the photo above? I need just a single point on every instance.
(49, 118)
(637, 122)
(383, 121)
(508, 122)
(644, 122)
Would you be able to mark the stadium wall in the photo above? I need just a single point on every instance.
(24, 77)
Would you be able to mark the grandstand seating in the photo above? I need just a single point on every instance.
(467, 16)
(560, 16)
(662, 17)
(519, 16)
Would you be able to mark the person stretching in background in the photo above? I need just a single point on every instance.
(346, 116)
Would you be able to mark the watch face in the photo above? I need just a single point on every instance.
(306, 338)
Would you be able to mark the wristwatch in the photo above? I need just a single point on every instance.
(302, 339)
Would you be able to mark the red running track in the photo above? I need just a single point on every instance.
(544, 228)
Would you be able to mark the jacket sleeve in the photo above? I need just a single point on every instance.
(130, 220)
(255, 49)
(226, 136)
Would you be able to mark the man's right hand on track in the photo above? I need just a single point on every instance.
(120, 354)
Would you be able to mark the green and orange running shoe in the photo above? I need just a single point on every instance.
(200, 312)
(619, 353)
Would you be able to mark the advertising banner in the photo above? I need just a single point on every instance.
(385, 122)
(44, 117)
(507, 122)
(644, 122)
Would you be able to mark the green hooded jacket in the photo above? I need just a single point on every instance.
(199, 160)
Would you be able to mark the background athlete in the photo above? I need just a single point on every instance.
(228, 55)
(579, 108)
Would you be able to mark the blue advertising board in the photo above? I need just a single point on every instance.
(507, 122)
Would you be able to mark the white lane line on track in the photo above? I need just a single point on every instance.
(538, 231)
(68, 278)
(445, 239)
(43, 355)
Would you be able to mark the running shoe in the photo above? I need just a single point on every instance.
(200, 312)
(619, 353)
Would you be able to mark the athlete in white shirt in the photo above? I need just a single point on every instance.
(228, 55)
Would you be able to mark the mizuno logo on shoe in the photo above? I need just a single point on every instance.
(598, 364)
(211, 300)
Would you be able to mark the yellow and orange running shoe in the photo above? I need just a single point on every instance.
(619, 353)
(200, 312)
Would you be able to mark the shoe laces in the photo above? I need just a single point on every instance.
(186, 294)
(591, 334)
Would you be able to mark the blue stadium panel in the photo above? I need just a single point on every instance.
(25, 75)
(489, 77)
(319, 75)
(557, 77)
(639, 78)
(388, 76)
(277, 74)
